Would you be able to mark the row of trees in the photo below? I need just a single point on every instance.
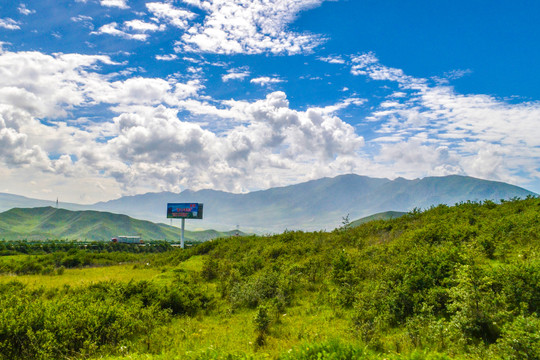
(48, 247)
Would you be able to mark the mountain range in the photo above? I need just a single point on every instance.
(314, 205)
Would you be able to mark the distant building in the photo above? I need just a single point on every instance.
(123, 239)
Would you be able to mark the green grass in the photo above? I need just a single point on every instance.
(87, 276)
(448, 283)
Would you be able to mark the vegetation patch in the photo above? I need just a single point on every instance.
(446, 283)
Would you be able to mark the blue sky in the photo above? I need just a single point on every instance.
(103, 98)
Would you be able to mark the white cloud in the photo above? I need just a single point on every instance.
(24, 10)
(81, 18)
(481, 135)
(235, 74)
(169, 57)
(457, 74)
(265, 80)
(112, 29)
(15, 149)
(86, 21)
(151, 143)
(115, 3)
(254, 27)
(167, 134)
(44, 85)
(266, 143)
(192, 60)
(9, 24)
(168, 13)
(332, 59)
(141, 26)
(132, 29)
(451, 75)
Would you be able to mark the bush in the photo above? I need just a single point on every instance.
(69, 325)
(256, 290)
(210, 269)
(521, 339)
(332, 350)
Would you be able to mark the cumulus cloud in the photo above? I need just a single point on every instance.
(167, 134)
(150, 144)
(235, 74)
(133, 30)
(479, 135)
(332, 59)
(24, 10)
(141, 26)
(265, 144)
(265, 80)
(122, 4)
(253, 27)
(112, 29)
(9, 24)
(177, 17)
(45, 85)
(169, 57)
(15, 149)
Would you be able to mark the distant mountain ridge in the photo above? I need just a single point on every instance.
(313, 205)
(317, 204)
(42, 223)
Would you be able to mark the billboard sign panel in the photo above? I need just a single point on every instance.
(184, 211)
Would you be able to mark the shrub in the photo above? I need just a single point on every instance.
(69, 324)
(332, 350)
(520, 339)
(254, 291)
(210, 269)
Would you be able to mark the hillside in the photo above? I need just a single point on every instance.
(460, 281)
(455, 282)
(51, 223)
(387, 215)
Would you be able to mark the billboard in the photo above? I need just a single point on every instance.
(184, 211)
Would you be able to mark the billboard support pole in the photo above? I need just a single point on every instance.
(182, 238)
(184, 211)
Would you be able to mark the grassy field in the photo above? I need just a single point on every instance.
(448, 283)
(87, 276)
(219, 331)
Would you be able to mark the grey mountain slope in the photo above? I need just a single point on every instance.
(10, 201)
(317, 204)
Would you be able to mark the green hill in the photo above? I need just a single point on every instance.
(387, 215)
(50, 223)
(455, 280)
